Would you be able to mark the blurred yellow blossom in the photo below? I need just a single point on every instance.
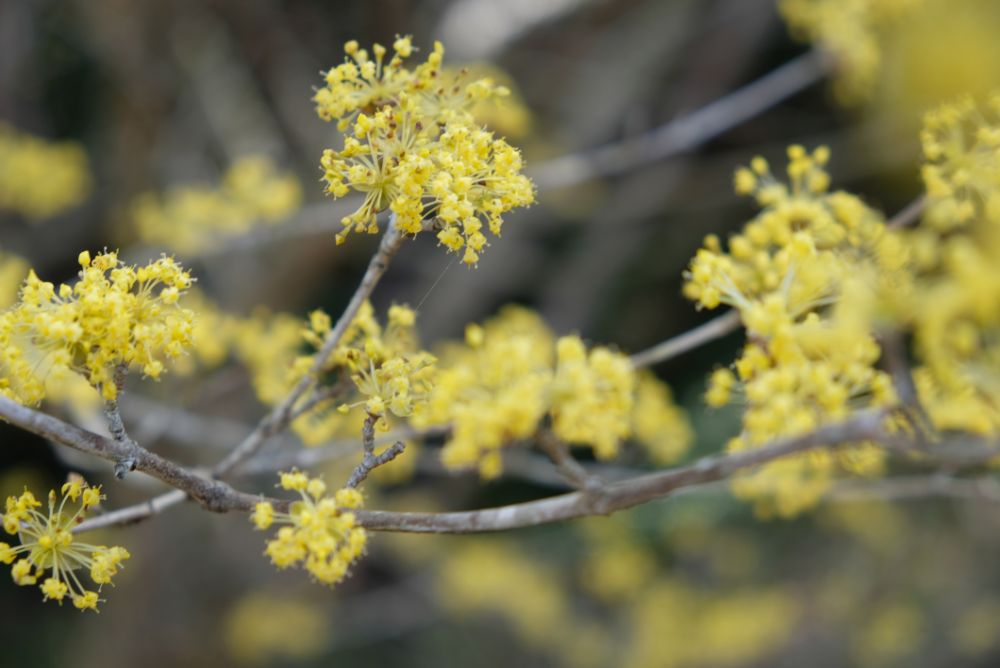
(191, 218)
(674, 624)
(892, 632)
(808, 275)
(852, 32)
(13, 269)
(40, 178)
(263, 627)
(525, 592)
(512, 372)
(955, 314)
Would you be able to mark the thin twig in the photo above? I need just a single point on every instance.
(280, 416)
(116, 425)
(133, 514)
(687, 132)
(986, 488)
(212, 494)
(908, 214)
(716, 328)
(309, 457)
(371, 461)
(567, 466)
(894, 355)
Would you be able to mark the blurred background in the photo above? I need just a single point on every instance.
(157, 97)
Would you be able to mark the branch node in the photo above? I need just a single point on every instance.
(124, 466)
(116, 426)
(214, 497)
(569, 468)
(370, 460)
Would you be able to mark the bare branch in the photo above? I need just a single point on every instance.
(309, 457)
(212, 494)
(567, 466)
(909, 214)
(687, 132)
(984, 488)
(133, 514)
(715, 328)
(626, 493)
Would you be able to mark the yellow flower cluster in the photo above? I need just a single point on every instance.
(591, 396)
(493, 391)
(511, 373)
(386, 368)
(190, 219)
(676, 624)
(961, 143)
(956, 319)
(388, 373)
(806, 275)
(47, 544)
(113, 315)
(40, 178)
(417, 151)
(265, 627)
(524, 592)
(13, 269)
(319, 533)
(658, 423)
(361, 83)
(851, 31)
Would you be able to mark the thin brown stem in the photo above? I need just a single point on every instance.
(909, 214)
(716, 328)
(567, 466)
(281, 415)
(687, 132)
(116, 425)
(371, 461)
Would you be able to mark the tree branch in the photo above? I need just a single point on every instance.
(372, 461)
(281, 415)
(212, 494)
(908, 214)
(626, 493)
(687, 132)
(716, 328)
(985, 488)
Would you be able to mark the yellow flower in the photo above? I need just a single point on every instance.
(591, 396)
(48, 544)
(318, 534)
(496, 389)
(955, 313)
(114, 315)
(808, 276)
(416, 151)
